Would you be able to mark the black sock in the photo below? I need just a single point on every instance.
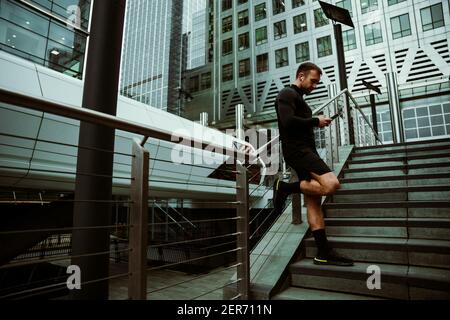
(321, 241)
(290, 188)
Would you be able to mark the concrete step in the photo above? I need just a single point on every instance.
(367, 227)
(429, 228)
(398, 170)
(428, 283)
(417, 252)
(396, 280)
(414, 153)
(360, 173)
(294, 293)
(409, 145)
(395, 161)
(395, 181)
(348, 197)
(441, 168)
(414, 193)
(364, 249)
(388, 162)
(435, 158)
(416, 228)
(397, 209)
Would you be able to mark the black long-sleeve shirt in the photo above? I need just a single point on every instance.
(295, 120)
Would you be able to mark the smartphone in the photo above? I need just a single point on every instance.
(335, 116)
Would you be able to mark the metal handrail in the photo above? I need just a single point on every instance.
(180, 214)
(317, 110)
(100, 118)
(357, 107)
(168, 215)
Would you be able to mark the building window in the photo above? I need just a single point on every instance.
(194, 83)
(372, 33)
(227, 24)
(302, 52)
(384, 125)
(368, 5)
(244, 41)
(427, 121)
(279, 29)
(400, 26)
(297, 3)
(345, 4)
(261, 35)
(60, 8)
(392, 2)
(319, 18)
(300, 23)
(242, 1)
(243, 18)
(244, 68)
(227, 46)
(349, 39)
(278, 6)
(432, 17)
(206, 81)
(227, 4)
(35, 37)
(262, 63)
(227, 72)
(324, 47)
(384, 128)
(260, 11)
(281, 58)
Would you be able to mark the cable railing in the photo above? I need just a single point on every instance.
(130, 246)
(183, 241)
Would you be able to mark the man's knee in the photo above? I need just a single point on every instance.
(331, 186)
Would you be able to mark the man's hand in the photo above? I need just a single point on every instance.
(324, 121)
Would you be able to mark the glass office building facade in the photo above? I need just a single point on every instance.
(50, 33)
(255, 47)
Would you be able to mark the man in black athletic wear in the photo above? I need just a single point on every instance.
(296, 126)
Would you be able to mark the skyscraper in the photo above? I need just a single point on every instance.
(151, 55)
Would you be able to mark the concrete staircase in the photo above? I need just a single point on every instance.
(392, 211)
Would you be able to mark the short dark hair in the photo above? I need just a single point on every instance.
(306, 67)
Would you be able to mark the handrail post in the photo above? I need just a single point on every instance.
(328, 141)
(334, 128)
(243, 253)
(138, 241)
(358, 140)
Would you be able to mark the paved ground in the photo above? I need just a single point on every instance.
(174, 285)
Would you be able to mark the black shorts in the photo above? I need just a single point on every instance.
(304, 161)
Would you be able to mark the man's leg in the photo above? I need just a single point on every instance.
(314, 212)
(325, 255)
(317, 225)
(323, 185)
